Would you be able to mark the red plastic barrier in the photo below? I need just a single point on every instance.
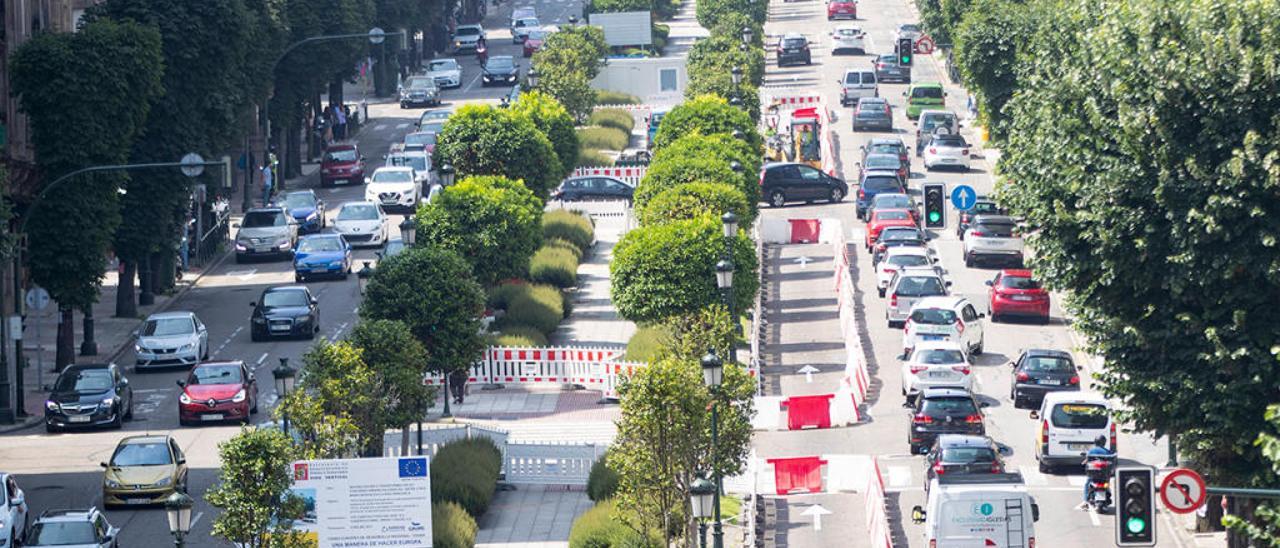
(804, 231)
(798, 473)
(803, 411)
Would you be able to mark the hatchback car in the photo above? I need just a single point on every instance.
(982, 206)
(936, 364)
(855, 84)
(266, 232)
(593, 188)
(14, 512)
(848, 38)
(872, 114)
(307, 209)
(534, 40)
(897, 236)
(1017, 293)
(949, 318)
(341, 163)
(446, 72)
(889, 68)
(394, 188)
(216, 392)
(793, 182)
(894, 200)
(924, 96)
(949, 151)
(883, 162)
(521, 26)
(327, 255)
(500, 70)
(992, 238)
(362, 223)
(419, 91)
(881, 219)
(932, 122)
(438, 116)
(877, 182)
(941, 411)
(883, 145)
(961, 454)
(1069, 423)
(423, 140)
(897, 258)
(171, 338)
(87, 528)
(909, 286)
(144, 470)
(286, 311)
(467, 37)
(837, 9)
(793, 48)
(88, 395)
(1037, 372)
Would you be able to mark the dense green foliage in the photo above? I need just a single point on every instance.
(466, 472)
(603, 138)
(606, 97)
(571, 227)
(602, 481)
(551, 118)
(557, 266)
(484, 140)
(647, 342)
(540, 307)
(398, 362)
(941, 17)
(567, 62)
(988, 43)
(707, 115)
(621, 119)
(703, 159)
(518, 335)
(693, 200)
(732, 23)
(451, 526)
(602, 526)
(709, 12)
(493, 222)
(252, 493)
(713, 58)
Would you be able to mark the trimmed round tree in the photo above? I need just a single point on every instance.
(706, 114)
(432, 291)
(709, 12)
(483, 140)
(494, 223)
(678, 170)
(659, 271)
(720, 54)
(551, 118)
(703, 158)
(694, 200)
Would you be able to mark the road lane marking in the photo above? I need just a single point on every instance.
(150, 390)
(337, 332)
(1093, 517)
(472, 84)
(402, 125)
(196, 519)
(1032, 476)
(899, 476)
(243, 274)
(380, 127)
(262, 358)
(1077, 481)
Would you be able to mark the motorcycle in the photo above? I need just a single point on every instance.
(1098, 471)
(482, 54)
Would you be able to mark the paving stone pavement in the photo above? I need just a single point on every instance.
(532, 516)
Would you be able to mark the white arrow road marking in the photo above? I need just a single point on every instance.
(808, 371)
(817, 511)
(804, 262)
(151, 403)
(380, 127)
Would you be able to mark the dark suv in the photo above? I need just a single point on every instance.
(89, 394)
(792, 182)
(793, 48)
(938, 411)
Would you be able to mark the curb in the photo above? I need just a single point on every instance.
(29, 422)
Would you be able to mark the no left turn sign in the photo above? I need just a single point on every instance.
(1183, 491)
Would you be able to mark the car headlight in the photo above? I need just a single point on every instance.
(108, 401)
(184, 398)
(259, 320)
(138, 348)
(51, 405)
(186, 347)
(113, 483)
(241, 247)
(335, 264)
(283, 244)
(163, 482)
(239, 397)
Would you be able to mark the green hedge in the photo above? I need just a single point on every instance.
(599, 527)
(593, 158)
(466, 472)
(606, 97)
(501, 295)
(614, 118)
(602, 482)
(645, 343)
(452, 527)
(569, 226)
(693, 200)
(540, 307)
(518, 335)
(561, 243)
(554, 265)
(603, 138)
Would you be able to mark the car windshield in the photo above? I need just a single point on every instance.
(444, 64)
(920, 286)
(263, 219)
(392, 176)
(421, 83)
(314, 245)
(933, 316)
(881, 184)
(950, 406)
(892, 215)
(995, 229)
(902, 233)
(500, 63)
(938, 356)
(418, 163)
(167, 327)
(909, 260)
(882, 162)
(142, 454)
(420, 138)
(926, 93)
(216, 374)
(300, 200)
(290, 297)
(468, 31)
(340, 155)
(84, 380)
(359, 212)
(537, 34)
(968, 454)
(909, 28)
(1049, 364)
(799, 43)
(62, 533)
(1079, 415)
(432, 127)
(1019, 282)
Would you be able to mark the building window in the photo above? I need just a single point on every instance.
(667, 79)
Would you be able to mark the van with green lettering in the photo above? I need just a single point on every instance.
(977, 511)
(924, 96)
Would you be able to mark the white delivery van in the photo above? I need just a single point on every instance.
(979, 510)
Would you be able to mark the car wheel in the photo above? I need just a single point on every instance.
(995, 318)
(254, 409)
(881, 292)
(777, 199)
(255, 336)
(49, 428)
(977, 350)
(968, 259)
(311, 333)
(1044, 321)
(1045, 468)
(836, 195)
(119, 422)
(205, 354)
(128, 414)
(297, 278)
(239, 259)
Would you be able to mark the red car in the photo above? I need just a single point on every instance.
(341, 163)
(1016, 293)
(533, 42)
(216, 392)
(885, 218)
(842, 8)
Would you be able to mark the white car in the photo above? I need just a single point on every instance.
(14, 513)
(520, 28)
(1069, 422)
(897, 258)
(171, 338)
(395, 187)
(992, 238)
(467, 37)
(446, 72)
(419, 161)
(362, 223)
(952, 319)
(907, 287)
(848, 38)
(936, 364)
(944, 150)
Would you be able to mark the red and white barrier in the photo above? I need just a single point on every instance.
(856, 379)
(803, 412)
(629, 174)
(800, 231)
(877, 517)
(593, 368)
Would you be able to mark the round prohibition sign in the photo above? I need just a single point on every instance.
(1183, 491)
(924, 45)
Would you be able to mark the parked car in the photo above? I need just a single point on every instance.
(266, 232)
(908, 287)
(886, 145)
(950, 151)
(857, 83)
(394, 188)
(419, 91)
(961, 454)
(171, 338)
(1039, 371)
(883, 162)
(981, 206)
(848, 38)
(897, 258)
(290, 311)
(881, 219)
(872, 114)
(467, 37)
(322, 255)
(143, 470)
(1069, 422)
(307, 209)
(500, 69)
(520, 28)
(87, 528)
(992, 237)
(447, 73)
(363, 223)
(217, 392)
(793, 48)
(951, 319)
(792, 182)
(14, 513)
(888, 68)
(837, 9)
(923, 96)
(932, 122)
(88, 395)
(341, 163)
(877, 182)
(1016, 293)
(592, 187)
(533, 41)
(941, 411)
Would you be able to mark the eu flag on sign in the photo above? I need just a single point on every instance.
(413, 467)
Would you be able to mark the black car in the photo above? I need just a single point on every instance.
(289, 311)
(982, 206)
(501, 69)
(938, 411)
(89, 394)
(886, 146)
(897, 236)
(872, 115)
(792, 182)
(960, 454)
(593, 188)
(793, 48)
(888, 68)
(1037, 372)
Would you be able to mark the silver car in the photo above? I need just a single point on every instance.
(446, 72)
(266, 231)
(467, 37)
(419, 91)
(907, 287)
(857, 83)
(171, 338)
(72, 529)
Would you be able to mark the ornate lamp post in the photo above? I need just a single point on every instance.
(700, 494)
(178, 506)
(747, 34)
(446, 174)
(284, 377)
(363, 275)
(408, 231)
(532, 78)
(712, 374)
(729, 226)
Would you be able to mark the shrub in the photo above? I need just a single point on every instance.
(561, 243)
(555, 266)
(500, 295)
(613, 117)
(708, 115)
(703, 158)
(492, 222)
(571, 227)
(603, 138)
(606, 97)
(553, 121)
(519, 335)
(602, 482)
(483, 140)
(540, 307)
(600, 527)
(593, 158)
(452, 527)
(466, 472)
(647, 342)
(693, 200)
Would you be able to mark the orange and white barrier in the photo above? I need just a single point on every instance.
(800, 231)
(856, 379)
(877, 516)
(629, 174)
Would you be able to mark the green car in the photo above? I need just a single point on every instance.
(924, 96)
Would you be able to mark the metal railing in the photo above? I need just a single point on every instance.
(219, 233)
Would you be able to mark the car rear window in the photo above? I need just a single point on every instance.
(892, 215)
(1079, 415)
(1049, 364)
(926, 93)
(920, 286)
(949, 406)
(999, 230)
(1019, 282)
(881, 184)
(938, 356)
(853, 78)
(874, 112)
(984, 207)
(794, 43)
(968, 454)
(899, 233)
(908, 260)
(889, 201)
(949, 141)
(933, 316)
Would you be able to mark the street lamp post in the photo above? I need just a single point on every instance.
(178, 506)
(736, 74)
(446, 174)
(284, 376)
(729, 224)
(712, 374)
(532, 78)
(408, 231)
(747, 34)
(701, 492)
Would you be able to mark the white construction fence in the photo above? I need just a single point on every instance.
(525, 463)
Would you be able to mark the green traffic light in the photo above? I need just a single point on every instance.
(1136, 525)
(934, 216)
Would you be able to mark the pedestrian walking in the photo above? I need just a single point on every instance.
(340, 115)
(458, 384)
(267, 183)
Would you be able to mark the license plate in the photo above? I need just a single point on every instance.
(136, 501)
(1079, 446)
(279, 328)
(934, 337)
(261, 249)
(1021, 297)
(937, 374)
(78, 418)
(319, 270)
(211, 417)
(1051, 382)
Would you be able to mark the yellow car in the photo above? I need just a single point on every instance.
(144, 470)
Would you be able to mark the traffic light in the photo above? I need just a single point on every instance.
(906, 47)
(1135, 506)
(935, 205)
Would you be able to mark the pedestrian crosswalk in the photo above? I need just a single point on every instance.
(902, 477)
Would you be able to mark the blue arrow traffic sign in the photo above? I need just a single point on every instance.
(963, 197)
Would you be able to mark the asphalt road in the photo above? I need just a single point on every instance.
(1061, 524)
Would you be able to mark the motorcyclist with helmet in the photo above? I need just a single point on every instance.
(1099, 472)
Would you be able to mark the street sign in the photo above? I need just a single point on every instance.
(377, 35)
(1183, 491)
(37, 298)
(192, 164)
(963, 197)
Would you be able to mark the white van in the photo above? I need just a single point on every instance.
(1069, 423)
(978, 510)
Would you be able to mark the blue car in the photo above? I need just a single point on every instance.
(877, 182)
(306, 208)
(321, 255)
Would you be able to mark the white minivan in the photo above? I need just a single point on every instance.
(978, 511)
(1069, 423)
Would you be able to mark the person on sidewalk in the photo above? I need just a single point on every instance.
(340, 113)
(458, 385)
